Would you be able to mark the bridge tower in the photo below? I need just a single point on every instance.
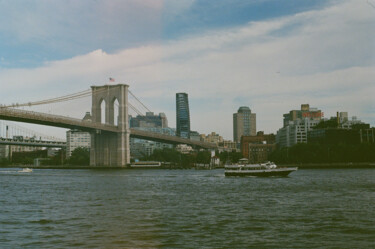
(110, 149)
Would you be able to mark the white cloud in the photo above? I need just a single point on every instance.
(322, 57)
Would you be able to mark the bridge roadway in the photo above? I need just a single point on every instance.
(75, 123)
(32, 143)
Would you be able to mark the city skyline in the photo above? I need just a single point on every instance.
(319, 52)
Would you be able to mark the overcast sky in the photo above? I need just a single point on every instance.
(269, 55)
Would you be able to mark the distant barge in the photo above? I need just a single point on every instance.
(146, 165)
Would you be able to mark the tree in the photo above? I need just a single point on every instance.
(332, 123)
(80, 156)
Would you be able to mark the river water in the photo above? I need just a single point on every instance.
(186, 209)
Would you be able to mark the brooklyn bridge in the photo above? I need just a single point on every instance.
(110, 134)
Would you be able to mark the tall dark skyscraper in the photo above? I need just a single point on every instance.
(182, 115)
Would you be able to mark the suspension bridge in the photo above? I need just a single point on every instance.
(109, 126)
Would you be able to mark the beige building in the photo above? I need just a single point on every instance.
(244, 123)
(228, 145)
(75, 139)
(213, 137)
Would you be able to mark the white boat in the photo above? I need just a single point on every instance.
(26, 170)
(243, 168)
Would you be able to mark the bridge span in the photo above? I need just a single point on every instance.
(75, 123)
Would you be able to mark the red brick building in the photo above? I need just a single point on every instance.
(257, 148)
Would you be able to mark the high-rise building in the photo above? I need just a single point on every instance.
(244, 123)
(182, 115)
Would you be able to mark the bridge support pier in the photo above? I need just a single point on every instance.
(110, 149)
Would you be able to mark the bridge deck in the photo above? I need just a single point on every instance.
(74, 123)
(32, 143)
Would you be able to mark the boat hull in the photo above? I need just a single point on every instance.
(261, 173)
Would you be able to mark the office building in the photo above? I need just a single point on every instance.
(296, 125)
(149, 121)
(75, 139)
(244, 123)
(195, 136)
(140, 148)
(213, 138)
(182, 115)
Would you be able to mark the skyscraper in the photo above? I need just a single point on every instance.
(244, 123)
(182, 115)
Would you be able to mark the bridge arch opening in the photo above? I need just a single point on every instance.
(116, 111)
(102, 112)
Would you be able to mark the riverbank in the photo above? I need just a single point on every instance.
(329, 165)
(300, 166)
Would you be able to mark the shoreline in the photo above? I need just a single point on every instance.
(300, 166)
(330, 165)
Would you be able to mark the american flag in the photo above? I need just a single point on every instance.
(111, 80)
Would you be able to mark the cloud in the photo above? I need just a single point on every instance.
(322, 57)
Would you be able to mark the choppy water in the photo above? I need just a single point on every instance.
(186, 209)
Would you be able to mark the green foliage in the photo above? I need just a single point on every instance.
(230, 156)
(27, 157)
(57, 159)
(80, 156)
(4, 162)
(332, 123)
(325, 153)
(164, 155)
(203, 157)
(360, 126)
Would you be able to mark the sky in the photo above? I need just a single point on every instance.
(269, 55)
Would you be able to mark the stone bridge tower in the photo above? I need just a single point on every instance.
(110, 149)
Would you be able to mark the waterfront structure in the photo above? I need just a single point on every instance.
(182, 115)
(244, 123)
(296, 125)
(7, 150)
(4, 151)
(76, 139)
(184, 148)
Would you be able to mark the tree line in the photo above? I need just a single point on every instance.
(324, 153)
